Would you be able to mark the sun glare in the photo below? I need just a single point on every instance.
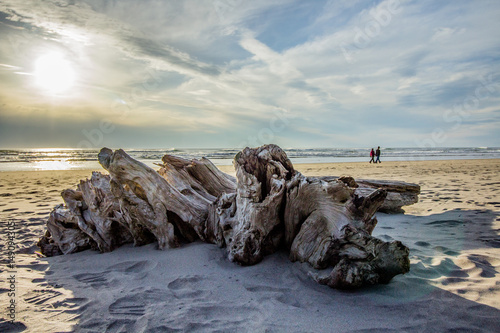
(54, 73)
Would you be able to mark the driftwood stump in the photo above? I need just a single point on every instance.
(326, 222)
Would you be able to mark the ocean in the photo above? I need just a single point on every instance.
(74, 159)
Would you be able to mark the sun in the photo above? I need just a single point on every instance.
(53, 73)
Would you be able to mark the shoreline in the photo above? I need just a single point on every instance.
(62, 165)
(220, 166)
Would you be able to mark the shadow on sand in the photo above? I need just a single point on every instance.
(195, 288)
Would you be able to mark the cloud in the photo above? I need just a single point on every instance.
(144, 48)
(345, 72)
(409, 62)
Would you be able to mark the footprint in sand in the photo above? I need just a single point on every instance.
(129, 306)
(95, 280)
(135, 304)
(100, 280)
(120, 325)
(128, 313)
(187, 287)
(184, 282)
(282, 295)
(132, 266)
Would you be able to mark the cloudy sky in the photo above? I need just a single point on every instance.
(235, 73)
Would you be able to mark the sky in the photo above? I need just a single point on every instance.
(235, 73)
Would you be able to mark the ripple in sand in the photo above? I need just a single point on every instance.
(72, 305)
(481, 262)
(445, 223)
(39, 297)
(31, 192)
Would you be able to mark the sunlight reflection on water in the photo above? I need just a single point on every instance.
(52, 165)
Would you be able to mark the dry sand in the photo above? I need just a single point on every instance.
(453, 284)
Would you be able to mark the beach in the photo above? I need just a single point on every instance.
(453, 283)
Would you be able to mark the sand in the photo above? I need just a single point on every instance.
(453, 284)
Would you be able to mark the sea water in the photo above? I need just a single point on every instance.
(74, 159)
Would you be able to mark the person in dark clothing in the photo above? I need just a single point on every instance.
(372, 156)
(377, 153)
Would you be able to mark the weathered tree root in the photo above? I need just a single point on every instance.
(326, 222)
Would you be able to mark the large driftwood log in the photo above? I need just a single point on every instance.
(326, 222)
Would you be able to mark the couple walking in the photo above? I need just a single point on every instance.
(374, 154)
